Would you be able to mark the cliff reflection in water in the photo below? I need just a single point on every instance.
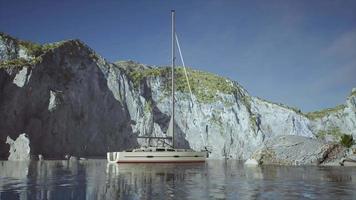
(95, 179)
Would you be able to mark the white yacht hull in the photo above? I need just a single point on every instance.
(156, 157)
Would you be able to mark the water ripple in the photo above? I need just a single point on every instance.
(95, 179)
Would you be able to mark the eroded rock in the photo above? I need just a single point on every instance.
(22, 77)
(55, 99)
(297, 150)
(19, 148)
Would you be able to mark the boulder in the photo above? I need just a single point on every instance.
(297, 150)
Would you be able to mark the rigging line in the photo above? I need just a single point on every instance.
(186, 76)
(185, 71)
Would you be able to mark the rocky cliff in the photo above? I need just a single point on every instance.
(69, 100)
(59, 96)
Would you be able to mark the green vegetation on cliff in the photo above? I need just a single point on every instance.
(204, 85)
(33, 50)
(334, 132)
(18, 63)
(353, 93)
(295, 109)
(253, 122)
(36, 50)
(345, 140)
(322, 113)
(148, 106)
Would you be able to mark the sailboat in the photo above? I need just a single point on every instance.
(160, 154)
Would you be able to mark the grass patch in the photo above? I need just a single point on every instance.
(295, 109)
(33, 49)
(138, 75)
(7, 37)
(205, 86)
(325, 112)
(148, 107)
(253, 122)
(18, 63)
(246, 100)
(344, 139)
(15, 63)
(228, 103)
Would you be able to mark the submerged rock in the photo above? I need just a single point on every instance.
(19, 148)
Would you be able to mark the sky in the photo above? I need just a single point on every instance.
(301, 53)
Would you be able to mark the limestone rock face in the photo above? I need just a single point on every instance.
(329, 124)
(70, 101)
(19, 149)
(11, 48)
(297, 150)
(231, 123)
(8, 48)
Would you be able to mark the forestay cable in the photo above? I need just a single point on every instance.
(186, 76)
(185, 71)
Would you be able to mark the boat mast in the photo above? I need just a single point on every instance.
(173, 63)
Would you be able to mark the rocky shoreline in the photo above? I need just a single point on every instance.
(281, 150)
(298, 150)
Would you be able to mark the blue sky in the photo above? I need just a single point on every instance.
(301, 53)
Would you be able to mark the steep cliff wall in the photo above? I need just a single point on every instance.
(221, 114)
(61, 99)
(69, 100)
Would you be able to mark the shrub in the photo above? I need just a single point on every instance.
(347, 140)
(205, 86)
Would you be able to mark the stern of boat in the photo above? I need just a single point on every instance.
(113, 157)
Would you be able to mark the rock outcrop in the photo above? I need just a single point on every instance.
(61, 99)
(330, 124)
(19, 149)
(298, 150)
(71, 101)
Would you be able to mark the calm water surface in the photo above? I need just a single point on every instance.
(95, 179)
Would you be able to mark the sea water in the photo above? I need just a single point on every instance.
(215, 179)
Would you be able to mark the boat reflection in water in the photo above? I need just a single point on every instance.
(145, 181)
(215, 179)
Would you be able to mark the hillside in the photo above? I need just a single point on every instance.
(69, 100)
